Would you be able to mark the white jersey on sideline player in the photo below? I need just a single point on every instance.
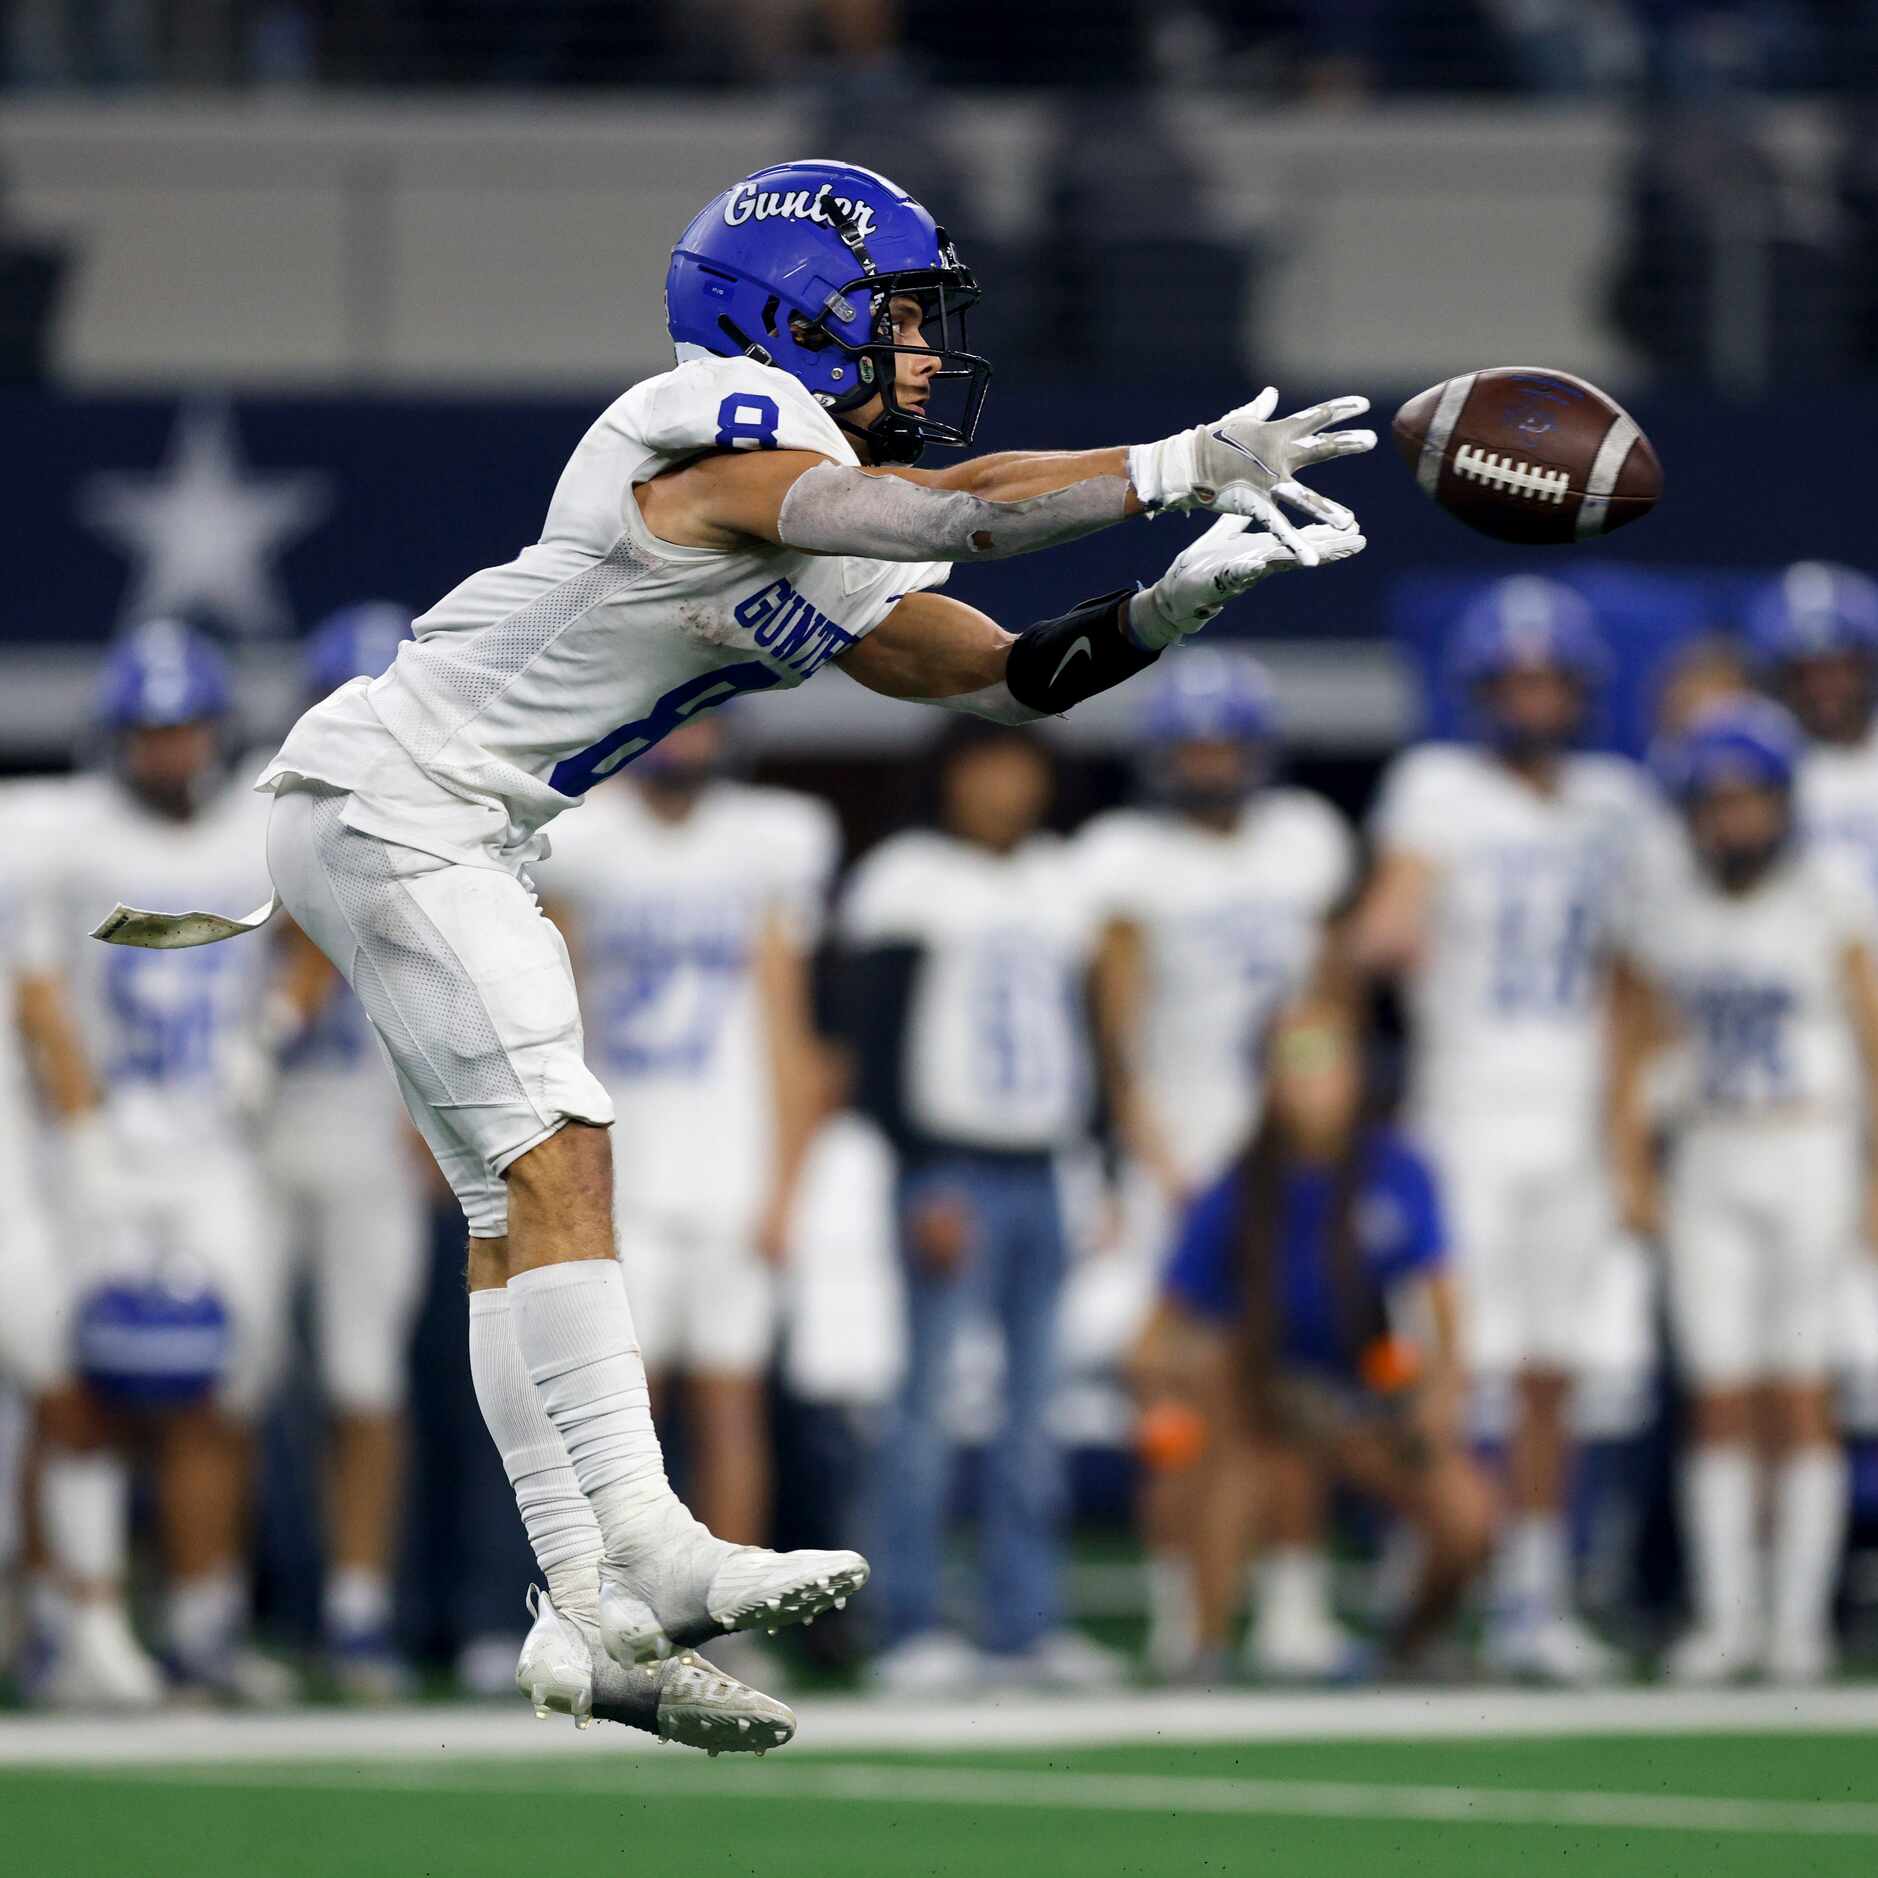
(666, 917)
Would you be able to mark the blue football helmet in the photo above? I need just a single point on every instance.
(795, 266)
(358, 641)
(1208, 693)
(162, 673)
(145, 1341)
(1814, 610)
(1747, 740)
(1529, 624)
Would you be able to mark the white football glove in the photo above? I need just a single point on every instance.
(1245, 463)
(1226, 561)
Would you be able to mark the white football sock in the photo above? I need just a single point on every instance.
(1531, 1575)
(1719, 1485)
(1810, 1489)
(1291, 1586)
(206, 1614)
(1173, 1634)
(84, 1506)
(559, 1522)
(357, 1601)
(575, 1333)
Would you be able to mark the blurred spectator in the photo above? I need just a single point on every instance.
(1754, 956)
(1214, 895)
(1729, 266)
(691, 902)
(966, 951)
(31, 273)
(1308, 1316)
(1494, 894)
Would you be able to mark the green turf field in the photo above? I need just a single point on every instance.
(1709, 1806)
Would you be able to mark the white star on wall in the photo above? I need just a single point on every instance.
(202, 531)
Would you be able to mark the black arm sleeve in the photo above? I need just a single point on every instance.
(1059, 662)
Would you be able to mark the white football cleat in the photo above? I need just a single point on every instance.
(555, 1668)
(1060, 1659)
(649, 1611)
(1318, 1650)
(96, 1662)
(1709, 1656)
(1560, 1650)
(564, 1671)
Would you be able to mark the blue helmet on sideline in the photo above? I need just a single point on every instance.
(795, 267)
(1814, 610)
(1745, 741)
(1526, 624)
(1529, 624)
(358, 641)
(1210, 693)
(162, 673)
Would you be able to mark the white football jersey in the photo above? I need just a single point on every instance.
(536, 679)
(1838, 802)
(1231, 925)
(1758, 981)
(997, 1054)
(664, 918)
(168, 1034)
(1506, 1001)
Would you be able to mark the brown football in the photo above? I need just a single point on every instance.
(1530, 455)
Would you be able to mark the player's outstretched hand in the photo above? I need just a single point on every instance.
(1247, 463)
(1229, 559)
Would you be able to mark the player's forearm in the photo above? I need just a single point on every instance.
(59, 1067)
(893, 516)
(1021, 475)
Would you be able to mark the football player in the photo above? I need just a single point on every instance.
(726, 527)
(691, 902)
(1215, 896)
(343, 1170)
(1495, 883)
(1814, 633)
(172, 1303)
(1755, 956)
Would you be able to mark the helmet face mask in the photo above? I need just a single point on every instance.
(799, 267)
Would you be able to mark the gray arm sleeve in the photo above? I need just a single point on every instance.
(835, 509)
(993, 701)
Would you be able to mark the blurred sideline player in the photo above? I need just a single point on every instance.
(1753, 954)
(28, 1276)
(1214, 898)
(691, 903)
(1814, 632)
(966, 948)
(341, 1162)
(171, 1302)
(1308, 1308)
(727, 526)
(1494, 890)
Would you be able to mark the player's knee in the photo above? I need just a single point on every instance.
(578, 1156)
